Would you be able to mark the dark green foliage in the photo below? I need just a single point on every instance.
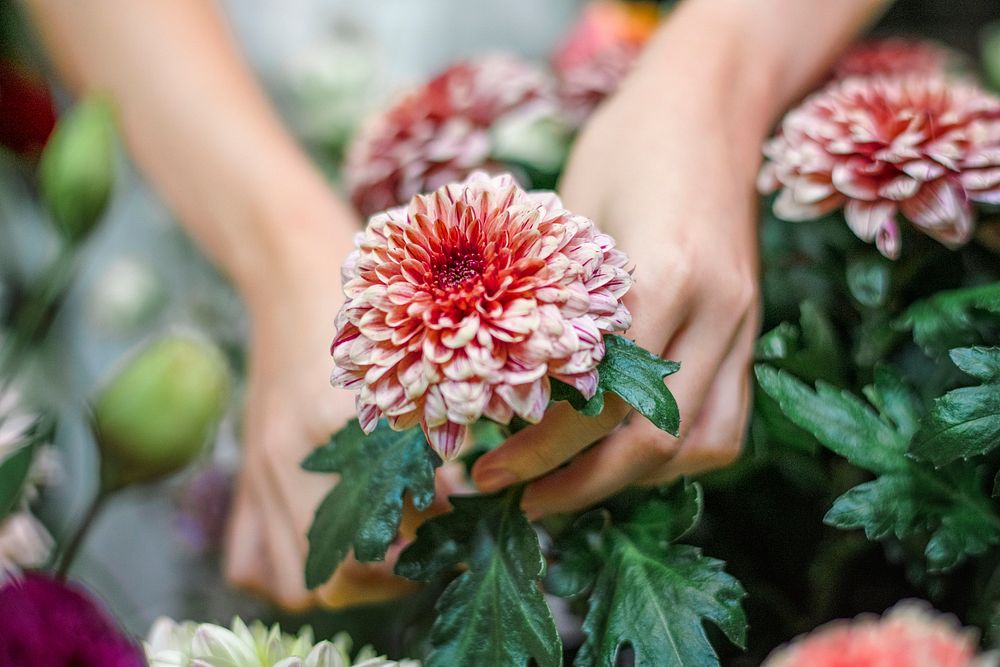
(946, 510)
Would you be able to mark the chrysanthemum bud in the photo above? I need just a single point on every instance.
(159, 411)
(77, 167)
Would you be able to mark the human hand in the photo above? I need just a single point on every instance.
(669, 174)
(291, 408)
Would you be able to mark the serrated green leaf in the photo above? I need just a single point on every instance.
(667, 516)
(13, 472)
(636, 376)
(655, 599)
(364, 509)
(893, 399)
(982, 363)
(809, 350)
(964, 422)
(837, 418)
(578, 556)
(953, 318)
(495, 613)
(882, 507)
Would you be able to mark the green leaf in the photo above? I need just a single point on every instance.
(494, 613)
(809, 350)
(869, 278)
(838, 419)
(965, 422)
(668, 515)
(982, 363)
(634, 374)
(953, 318)
(894, 400)
(13, 472)
(655, 598)
(946, 508)
(364, 509)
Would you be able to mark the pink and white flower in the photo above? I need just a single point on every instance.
(465, 302)
(894, 56)
(909, 635)
(924, 147)
(440, 132)
(599, 53)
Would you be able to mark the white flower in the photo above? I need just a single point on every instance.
(24, 543)
(172, 644)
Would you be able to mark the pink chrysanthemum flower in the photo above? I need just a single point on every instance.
(909, 635)
(893, 56)
(465, 302)
(921, 146)
(599, 52)
(440, 132)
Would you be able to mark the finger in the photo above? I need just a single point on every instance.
(536, 450)
(243, 542)
(365, 583)
(286, 553)
(717, 437)
(602, 471)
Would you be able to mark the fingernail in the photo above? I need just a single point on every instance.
(494, 479)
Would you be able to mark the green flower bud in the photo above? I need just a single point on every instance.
(159, 411)
(77, 167)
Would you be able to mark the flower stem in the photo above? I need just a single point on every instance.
(73, 546)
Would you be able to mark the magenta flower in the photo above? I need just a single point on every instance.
(909, 635)
(599, 53)
(894, 56)
(440, 132)
(921, 146)
(465, 302)
(47, 623)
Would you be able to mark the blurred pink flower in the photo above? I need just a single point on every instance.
(909, 635)
(440, 132)
(599, 52)
(922, 146)
(463, 303)
(893, 56)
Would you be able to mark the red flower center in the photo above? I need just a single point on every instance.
(456, 266)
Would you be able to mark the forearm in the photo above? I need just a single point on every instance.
(201, 130)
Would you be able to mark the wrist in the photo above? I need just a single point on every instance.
(293, 247)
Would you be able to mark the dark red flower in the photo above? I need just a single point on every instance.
(48, 623)
(27, 115)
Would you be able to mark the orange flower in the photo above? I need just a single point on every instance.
(599, 51)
